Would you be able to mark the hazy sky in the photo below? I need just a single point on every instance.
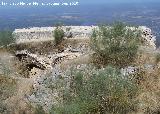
(86, 1)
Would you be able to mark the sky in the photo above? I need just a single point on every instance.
(86, 1)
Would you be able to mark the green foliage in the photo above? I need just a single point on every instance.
(58, 35)
(6, 38)
(115, 45)
(98, 92)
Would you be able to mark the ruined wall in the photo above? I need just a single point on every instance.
(33, 34)
(37, 34)
(150, 39)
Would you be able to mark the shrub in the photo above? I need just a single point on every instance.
(6, 38)
(58, 35)
(115, 45)
(98, 92)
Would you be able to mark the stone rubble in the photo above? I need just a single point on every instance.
(48, 62)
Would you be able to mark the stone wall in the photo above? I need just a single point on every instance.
(37, 34)
(149, 38)
(33, 34)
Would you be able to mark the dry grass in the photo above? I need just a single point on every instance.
(18, 104)
(146, 56)
(13, 87)
(44, 47)
(84, 59)
(149, 92)
(148, 81)
(76, 40)
(7, 89)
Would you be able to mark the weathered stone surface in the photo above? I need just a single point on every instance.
(148, 36)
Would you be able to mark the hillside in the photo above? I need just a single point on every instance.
(80, 70)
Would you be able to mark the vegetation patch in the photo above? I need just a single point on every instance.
(115, 45)
(98, 92)
(58, 35)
